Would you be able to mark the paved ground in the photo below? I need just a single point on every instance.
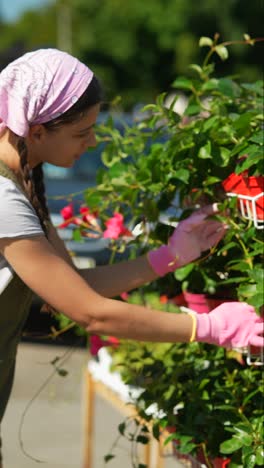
(52, 430)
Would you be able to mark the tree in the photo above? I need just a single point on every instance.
(137, 48)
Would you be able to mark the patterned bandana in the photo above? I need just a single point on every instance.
(38, 87)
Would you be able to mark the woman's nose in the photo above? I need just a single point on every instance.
(92, 140)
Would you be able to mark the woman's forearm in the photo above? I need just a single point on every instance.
(50, 277)
(140, 323)
(109, 280)
(113, 280)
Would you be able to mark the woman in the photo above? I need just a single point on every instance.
(49, 102)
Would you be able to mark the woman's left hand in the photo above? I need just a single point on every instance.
(190, 238)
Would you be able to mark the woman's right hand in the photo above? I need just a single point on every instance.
(232, 324)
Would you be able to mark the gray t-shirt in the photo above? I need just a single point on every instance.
(17, 219)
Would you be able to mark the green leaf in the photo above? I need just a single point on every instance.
(231, 445)
(257, 300)
(183, 83)
(211, 181)
(109, 159)
(188, 448)
(257, 275)
(122, 428)
(250, 460)
(260, 456)
(222, 52)
(257, 138)
(142, 439)
(192, 109)
(211, 122)
(251, 394)
(242, 123)
(76, 235)
(183, 175)
(145, 429)
(182, 273)
(62, 372)
(169, 439)
(205, 41)
(210, 84)
(205, 152)
(151, 209)
(93, 200)
(228, 87)
(252, 159)
(225, 155)
(197, 68)
(247, 439)
(156, 431)
(108, 457)
(117, 170)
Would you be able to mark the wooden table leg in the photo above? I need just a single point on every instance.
(147, 453)
(89, 420)
(160, 458)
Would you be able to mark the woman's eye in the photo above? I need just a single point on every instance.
(84, 135)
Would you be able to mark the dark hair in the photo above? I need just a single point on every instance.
(33, 180)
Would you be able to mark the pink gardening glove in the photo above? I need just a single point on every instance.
(232, 324)
(191, 237)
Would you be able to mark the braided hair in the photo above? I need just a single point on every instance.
(34, 188)
(34, 180)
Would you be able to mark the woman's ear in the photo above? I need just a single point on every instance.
(36, 133)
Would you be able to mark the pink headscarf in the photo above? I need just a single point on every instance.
(40, 86)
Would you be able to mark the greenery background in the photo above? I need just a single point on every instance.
(137, 48)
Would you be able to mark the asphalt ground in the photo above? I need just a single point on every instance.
(47, 430)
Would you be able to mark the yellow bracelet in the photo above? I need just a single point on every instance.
(194, 327)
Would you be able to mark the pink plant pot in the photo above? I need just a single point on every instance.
(201, 303)
(179, 300)
(220, 462)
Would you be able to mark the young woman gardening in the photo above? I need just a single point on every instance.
(49, 102)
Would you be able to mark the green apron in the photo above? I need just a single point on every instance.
(15, 301)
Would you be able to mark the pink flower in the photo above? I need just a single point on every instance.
(74, 220)
(88, 216)
(67, 211)
(115, 227)
(124, 296)
(96, 343)
(68, 215)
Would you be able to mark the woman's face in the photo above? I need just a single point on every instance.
(62, 147)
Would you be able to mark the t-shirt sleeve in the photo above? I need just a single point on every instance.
(17, 216)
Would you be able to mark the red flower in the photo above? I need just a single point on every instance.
(67, 211)
(115, 227)
(74, 220)
(96, 343)
(88, 217)
(163, 299)
(68, 215)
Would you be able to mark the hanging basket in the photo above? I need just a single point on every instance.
(249, 191)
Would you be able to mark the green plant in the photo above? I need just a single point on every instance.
(168, 163)
(203, 392)
(172, 163)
